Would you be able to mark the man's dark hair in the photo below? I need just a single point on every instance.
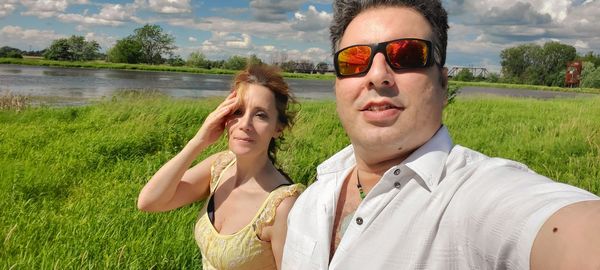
(344, 11)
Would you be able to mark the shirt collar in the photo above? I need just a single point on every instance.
(428, 161)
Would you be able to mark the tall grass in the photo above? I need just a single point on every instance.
(69, 177)
(10, 101)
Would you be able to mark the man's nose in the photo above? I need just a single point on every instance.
(380, 74)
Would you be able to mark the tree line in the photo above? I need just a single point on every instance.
(524, 64)
(541, 65)
(150, 45)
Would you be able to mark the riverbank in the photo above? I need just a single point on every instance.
(71, 175)
(144, 67)
(167, 68)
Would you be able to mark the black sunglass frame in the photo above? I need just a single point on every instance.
(381, 47)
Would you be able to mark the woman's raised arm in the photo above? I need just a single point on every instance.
(175, 184)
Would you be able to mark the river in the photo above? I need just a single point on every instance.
(84, 83)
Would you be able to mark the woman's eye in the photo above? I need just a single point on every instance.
(262, 115)
(238, 112)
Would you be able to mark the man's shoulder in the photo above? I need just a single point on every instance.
(339, 161)
(463, 158)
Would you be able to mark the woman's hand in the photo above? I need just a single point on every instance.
(214, 124)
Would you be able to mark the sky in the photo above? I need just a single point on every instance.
(293, 29)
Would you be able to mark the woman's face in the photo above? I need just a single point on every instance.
(251, 127)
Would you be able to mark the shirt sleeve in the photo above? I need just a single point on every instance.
(509, 205)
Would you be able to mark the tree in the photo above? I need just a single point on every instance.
(493, 77)
(464, 75)
(197, 59)
(553, 62)
(154, 43)
(305, 66)
(289, 66)
(10, 52)
(58, 50)
(127, 50)
(235, 62)
(534, 64)
(175, 61)
(590, 75)
(254, 60)
(74, 48)
(590, 57)
(516, 61)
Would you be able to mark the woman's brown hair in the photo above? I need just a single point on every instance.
(269, 77)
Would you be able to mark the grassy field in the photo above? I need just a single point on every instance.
(69, 177)
(527, 87)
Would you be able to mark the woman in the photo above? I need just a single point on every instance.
(244, 223)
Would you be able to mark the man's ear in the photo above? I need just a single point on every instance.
(444, 83)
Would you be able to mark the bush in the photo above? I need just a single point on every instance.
(464, 75)
(10, 52)
(590, 75)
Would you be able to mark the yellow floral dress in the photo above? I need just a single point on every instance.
(243, 249)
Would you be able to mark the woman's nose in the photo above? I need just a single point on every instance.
(245, 122)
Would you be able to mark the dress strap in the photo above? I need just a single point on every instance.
(223, 161)
(267, 215)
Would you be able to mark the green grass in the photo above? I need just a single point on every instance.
(70, 176)
(527, 87)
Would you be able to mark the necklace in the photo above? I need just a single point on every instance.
(359, 186)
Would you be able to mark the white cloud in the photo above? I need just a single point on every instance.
(244, 43)
(312, 20)
(23, 38)
(268, 48)
(192, 39)
(44, 8)
(105, 41)
(170, 6)
(7, 7)
(224, 25)
(581, 44)
(91, 20)
(114, 13)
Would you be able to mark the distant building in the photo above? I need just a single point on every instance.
(573, 75)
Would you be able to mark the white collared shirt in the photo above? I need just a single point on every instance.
(444, 207)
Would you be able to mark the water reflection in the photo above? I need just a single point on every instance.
(99, 83)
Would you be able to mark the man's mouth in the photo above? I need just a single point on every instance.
(378, 108)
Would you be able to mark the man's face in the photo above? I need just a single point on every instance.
(388, 114)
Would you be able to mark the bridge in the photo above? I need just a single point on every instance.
(476, 71)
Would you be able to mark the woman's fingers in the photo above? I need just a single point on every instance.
(231, 99)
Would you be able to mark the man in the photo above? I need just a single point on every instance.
(402, 196)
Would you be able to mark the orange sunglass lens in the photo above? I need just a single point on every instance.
(354, 60)
(407, 53)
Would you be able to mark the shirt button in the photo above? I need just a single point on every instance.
(397, 172)
(397, 185)
(359, 220)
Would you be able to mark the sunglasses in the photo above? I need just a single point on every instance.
(400, 54)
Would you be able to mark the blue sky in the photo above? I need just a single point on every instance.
(293, 29)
